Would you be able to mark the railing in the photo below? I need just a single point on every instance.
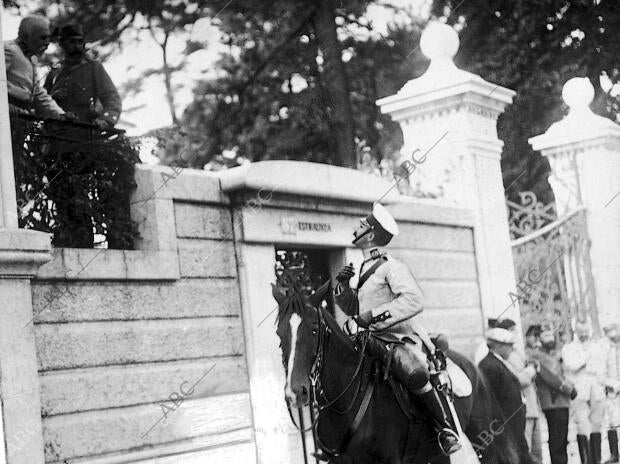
(552, 263)
(74, 180)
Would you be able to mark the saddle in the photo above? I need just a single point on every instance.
(445, 374)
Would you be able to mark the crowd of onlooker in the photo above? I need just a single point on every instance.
(578, 382)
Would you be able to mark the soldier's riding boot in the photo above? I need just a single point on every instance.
(595, 448)
(612, 438)
(584, 449)
(448, 438)
(412, 372)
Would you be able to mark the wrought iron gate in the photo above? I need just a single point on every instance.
(551, 257)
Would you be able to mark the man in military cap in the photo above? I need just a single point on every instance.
(80, 84)
(386, 300)
(555, 393)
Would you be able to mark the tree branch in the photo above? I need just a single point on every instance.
(294, 33)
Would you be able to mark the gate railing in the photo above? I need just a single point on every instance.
(552, 263)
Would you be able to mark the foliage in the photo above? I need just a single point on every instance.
(74, 183)
(534, 48)
(273, 101)
(118, 22)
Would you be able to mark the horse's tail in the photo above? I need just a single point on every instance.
(485, 427)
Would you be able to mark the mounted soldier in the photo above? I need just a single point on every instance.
(385, 302)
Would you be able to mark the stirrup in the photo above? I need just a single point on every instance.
(320, 456)
(455, 447)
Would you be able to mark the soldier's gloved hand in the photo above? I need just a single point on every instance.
(351, 327)
(573, 394)
(345, 274)
(103, 123)
(67, 117)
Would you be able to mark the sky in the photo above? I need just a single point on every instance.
(148, 109)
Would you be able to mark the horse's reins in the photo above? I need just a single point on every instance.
(316, 391)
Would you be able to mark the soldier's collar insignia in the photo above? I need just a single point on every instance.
(375, 253)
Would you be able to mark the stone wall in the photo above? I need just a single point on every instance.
(443, 260)
(118, 332)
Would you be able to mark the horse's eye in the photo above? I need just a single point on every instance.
(315, 330)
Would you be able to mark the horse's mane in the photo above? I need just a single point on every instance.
(336, 331)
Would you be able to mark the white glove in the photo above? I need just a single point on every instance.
(351, 327)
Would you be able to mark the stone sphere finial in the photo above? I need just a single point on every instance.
(578, 93)
(439, 41)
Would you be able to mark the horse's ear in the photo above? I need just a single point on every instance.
(317, 297)
(278, 293)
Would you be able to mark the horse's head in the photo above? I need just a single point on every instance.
(298, 328)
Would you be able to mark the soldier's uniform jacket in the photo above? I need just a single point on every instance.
(23, 86)
(585, 365)
(86, 90)
(390, 288)
(553, 390)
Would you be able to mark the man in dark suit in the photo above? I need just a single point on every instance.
(506, 387)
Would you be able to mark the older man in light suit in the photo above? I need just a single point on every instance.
(25, 92)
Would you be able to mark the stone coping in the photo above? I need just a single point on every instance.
(562, 136)
(430, 88)
(176, 183)
(432, 211)
(103, 264)
(22, 251)
(309, 180)
(24, 240)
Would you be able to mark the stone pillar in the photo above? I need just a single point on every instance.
(21, 254)
(8, 205)
(584, 153)
(450, 115)
(274, 443)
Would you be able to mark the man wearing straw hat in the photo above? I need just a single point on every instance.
(506, 387)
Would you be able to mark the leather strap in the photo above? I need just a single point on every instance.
(371, 271)
(361, 412)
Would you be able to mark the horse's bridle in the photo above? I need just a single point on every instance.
(317, 392)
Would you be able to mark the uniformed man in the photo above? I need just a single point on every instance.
(80, 84)
(388, 291)
(585, 362)
(555, 393)
(611, 341)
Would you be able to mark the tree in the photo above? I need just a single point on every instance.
(107, 21)
(281, 96)
(534, 48)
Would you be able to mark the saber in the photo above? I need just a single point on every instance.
(467, 454)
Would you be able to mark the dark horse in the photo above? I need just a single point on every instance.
(325, 368)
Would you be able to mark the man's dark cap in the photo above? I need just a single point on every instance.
(534, 330)
(70, 30)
